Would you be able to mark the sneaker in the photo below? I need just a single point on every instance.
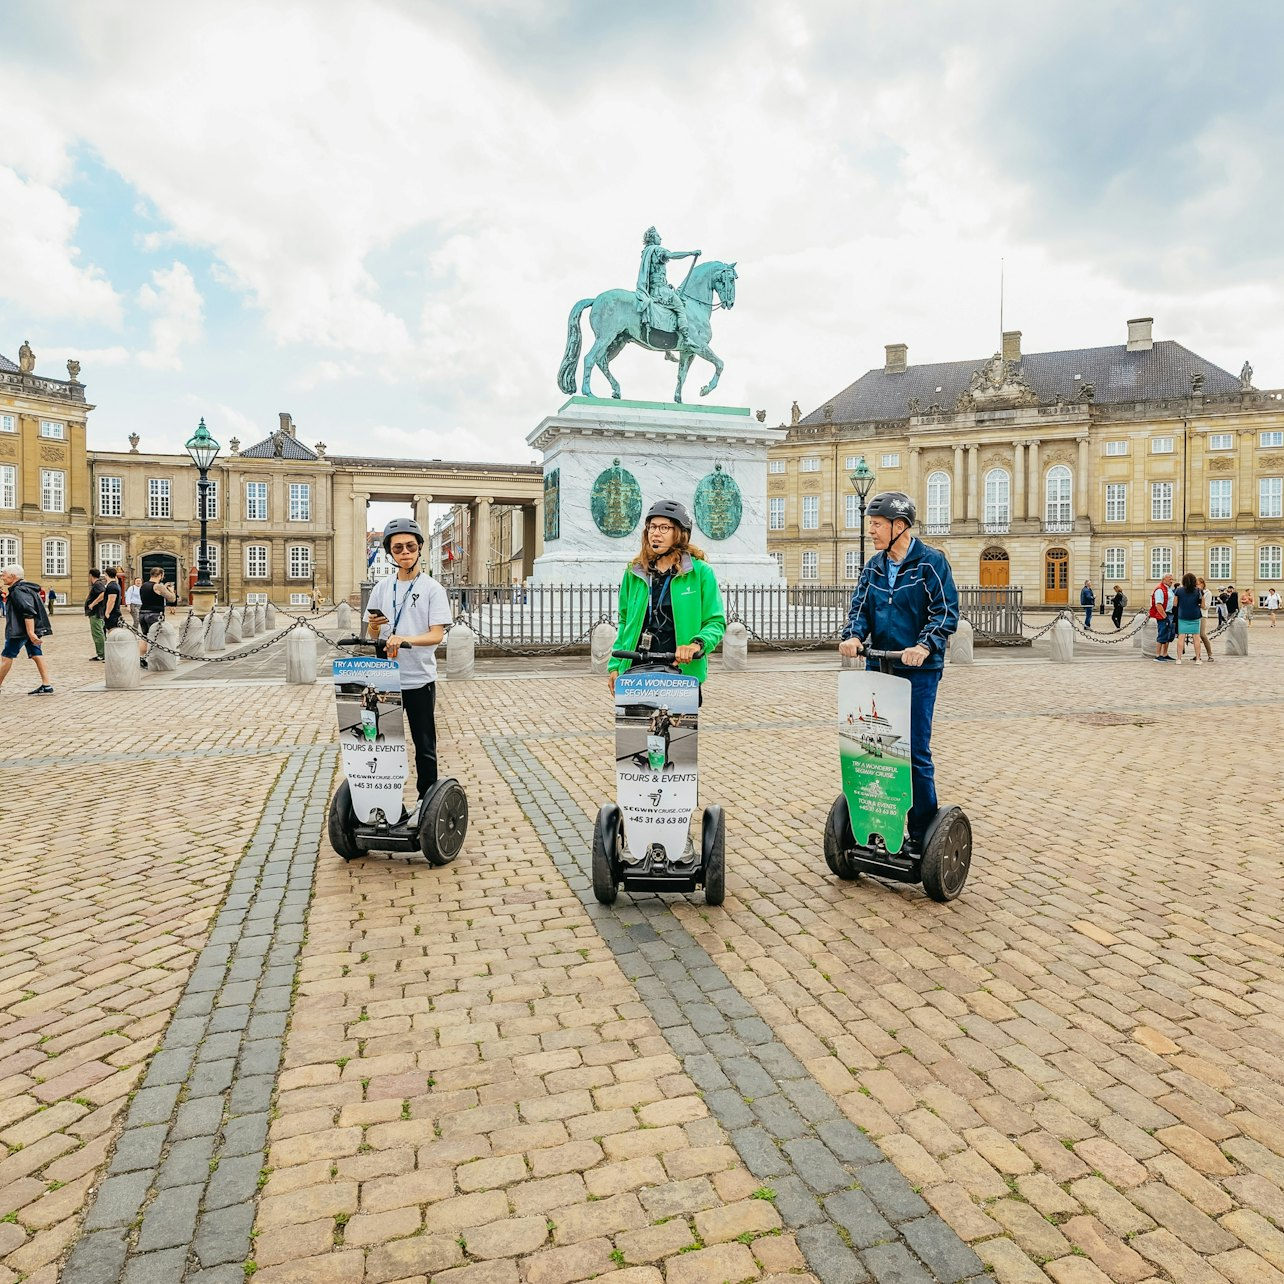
(412, 817)
(97, 658)
(1159, 659)
(1197, 659)
(42, 690)
(142, 664)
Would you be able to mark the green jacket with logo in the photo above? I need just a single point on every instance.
(697, 612)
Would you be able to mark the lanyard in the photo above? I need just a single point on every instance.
(397, 610)
(666, 586)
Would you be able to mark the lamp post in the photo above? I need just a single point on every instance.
(862, 479)
(1101, 601)
(204, 450)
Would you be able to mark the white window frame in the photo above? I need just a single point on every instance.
(115, 493)
(1270, 496)
(215, 555)
(1221, 441)
(776, 513)
(853, 461)
(110, 553)
(1118, 447)
(254, 492)
(851, 564)
(10, 550)
(53, 490)
(1116, 501)
(300, 599)
(8, 423)
(851, 512)
(1161, 501)
(1270, 563)
(1115, 559)
(778, 558)
(775, 465)
(998, 498)
(299, 562)
(300, 503)
(211, 501)
(54, 557)
(810, 513)
(1275, 437)
(1161, 561)
(940, 486)
(1058, 503)
(809, 464)
(1220, 499)
(8, 486)
(256, 599)
(1221, 562)
(160, 499)
(890, 460)
(1161, 445)
(253, 561)
(53, 430)
(810, 565)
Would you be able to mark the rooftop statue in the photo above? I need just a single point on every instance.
(654, 316)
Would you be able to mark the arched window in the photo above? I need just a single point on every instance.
(998, 492)
(1056, 509)
(938, 503)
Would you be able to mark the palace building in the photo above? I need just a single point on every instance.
(1114, 464)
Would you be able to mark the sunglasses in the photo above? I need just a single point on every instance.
(404, 548)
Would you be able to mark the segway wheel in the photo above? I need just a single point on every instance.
(839, 839)
(948, 855)
(713, 850)
(606, 854)
(443, 822)
(341, 823)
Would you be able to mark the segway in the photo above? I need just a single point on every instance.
(865, 832)
(367, 813)
(643, 840)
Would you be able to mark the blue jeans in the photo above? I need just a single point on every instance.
(923, 685)
(1087, 617)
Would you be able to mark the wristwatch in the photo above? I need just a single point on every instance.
(700, 643)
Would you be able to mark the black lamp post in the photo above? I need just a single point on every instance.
(862, 478)
(204, 451)
(1101, 601)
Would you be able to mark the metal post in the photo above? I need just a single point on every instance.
(203, 553)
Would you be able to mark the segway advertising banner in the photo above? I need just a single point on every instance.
(372, 736)
(874, 745)
(656, 725)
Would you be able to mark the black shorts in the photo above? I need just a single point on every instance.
(148, 618)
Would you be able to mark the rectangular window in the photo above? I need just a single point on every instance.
(9, 550)
(55, 559)
(1161, 562)
(851, 563)
(256, 561)
(8, 423)
(300, 561)
(111, 554)
(1271, 439)
(1269, 558)
(890, 461)
(852, 462)
(779, 559)
(53, 490)
(53, 429)
(256, 501)
(1117, 501)
(811, 512)
(213, 551)
(1116, 563)
(300, 501)
(1161, 501)
(1219, 498)
(8, 486)
(256, 599)
(110, 491)
(158, 497)
(776, 517)
(1116, 447)
(300, 599)
(1219, 562)
(211, 501)
(1270, 494)
(851, 518)
(775, 465)
(1221, 441)
(811, 464)
(1161, 445)
(811, 566)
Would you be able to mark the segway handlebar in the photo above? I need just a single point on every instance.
(875, 654)
(356, 641)
(646, 657)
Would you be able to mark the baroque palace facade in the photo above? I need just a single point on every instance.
(285, 519)
(1114, 464)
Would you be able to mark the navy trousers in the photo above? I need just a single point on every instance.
(923, 685)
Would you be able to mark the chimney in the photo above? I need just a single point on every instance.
(1139, 339)
(1012, 346)
(287, 424)
(896, 358)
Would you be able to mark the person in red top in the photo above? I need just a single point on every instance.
(1163, 612)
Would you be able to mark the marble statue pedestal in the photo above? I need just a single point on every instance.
(667, 449)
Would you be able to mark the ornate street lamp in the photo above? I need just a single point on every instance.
(204, 451)
(862, 479)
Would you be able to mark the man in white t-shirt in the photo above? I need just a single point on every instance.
(1272, 604)
(409, 611)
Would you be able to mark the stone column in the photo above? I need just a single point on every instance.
(478, 570)
(359, 501)
(1018, 482)
(538, 509)
(1033, 496)
(530, 517)
(1081, 482)
(421, 514)
(958, 496)
(973, 482)
(915, 477)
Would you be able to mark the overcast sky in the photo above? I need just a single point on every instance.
(377, 216)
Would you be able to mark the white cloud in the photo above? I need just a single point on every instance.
(176, 306)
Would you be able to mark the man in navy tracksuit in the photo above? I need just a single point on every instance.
(906, 601)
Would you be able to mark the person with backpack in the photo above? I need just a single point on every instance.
(26, 623)
(1117, 603)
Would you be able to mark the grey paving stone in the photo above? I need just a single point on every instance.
(251, 1095)
(246, 1135)
(893, 1264)
(249, 969)
(266, 1025)
(949, 1258)
(185, 1033)
(229, 1019)
(749, 1077)
(187, 1162)
(237, 993)
(224, 1234)
(848, 1142)
(753, 1030)
(170, 1221)
(854, 1211)
(831, 1261)
(234, 1274)
(815, 1163)
(96, 1257)
(195, 1005)
(725, 1044)
(666, 1014)
(283, 974)
(152, 1105)
(729, 1108)
(204, 979)
(704, 1017)
(235, 1181)
(169, 1066)
(731, 1003)
(685, 1041)
(164, 1267)
(705, 1072)
(118, 1201)
(261, 1057)
(795, 1203)
(778, 1117)
(891, 1192)
(760, 1153)
(779, 1062)
(138, 1148)
(273, 998)
(210, 1078)
(220, 1046)
(814, 1104)
(197, 1118)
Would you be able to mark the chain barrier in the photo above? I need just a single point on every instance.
(464, 617)
(305, 621)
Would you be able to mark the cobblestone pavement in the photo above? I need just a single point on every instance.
(1072, 1073)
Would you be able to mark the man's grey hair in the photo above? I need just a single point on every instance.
(14, 569)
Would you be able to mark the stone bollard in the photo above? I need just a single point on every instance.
(215, 633)
(735, 647)
(269, 617)
(167, 635)
(961, 643)
(121, 669)
(461, 653)
(235, 625)
(1062, 642)
(1236, 637)
(300, 657)
(260, 619)
(1146, 639)
(345, 617)
(600, 645)
(189, 635)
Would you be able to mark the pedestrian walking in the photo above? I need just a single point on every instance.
(1087, 600)
(134, 601)
(1161, 611)
(1117, 603)
(1247, 602)
(26, 624)
(1272, 605)
(1205, 606)
(156, 596)
(1188, 613)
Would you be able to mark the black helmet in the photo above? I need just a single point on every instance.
(401, 526)
(892, 504)
(671, 509)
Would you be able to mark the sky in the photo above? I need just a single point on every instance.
(378, 216)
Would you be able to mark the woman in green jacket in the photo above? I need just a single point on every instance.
(669, 597)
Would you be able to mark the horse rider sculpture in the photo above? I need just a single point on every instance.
(653, 283)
